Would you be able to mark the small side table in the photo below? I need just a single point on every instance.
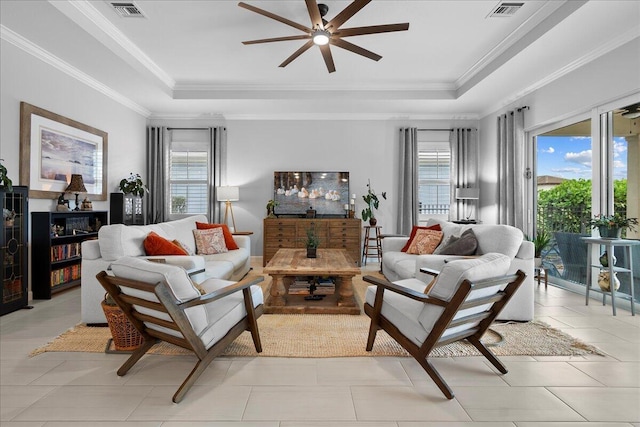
(372, 245)
(609, 245)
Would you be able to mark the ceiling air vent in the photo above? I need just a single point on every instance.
(505, 10)
(127, 9)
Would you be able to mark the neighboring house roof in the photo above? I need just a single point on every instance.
(549, 180)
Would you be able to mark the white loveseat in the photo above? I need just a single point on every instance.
(504, 239)
(117, 241)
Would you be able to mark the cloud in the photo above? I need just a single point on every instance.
(568, 172)
(549, 150)
(582, 158)
(574, 138)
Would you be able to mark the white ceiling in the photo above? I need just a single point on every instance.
(186, 59)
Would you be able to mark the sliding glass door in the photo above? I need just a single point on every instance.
(583, 168)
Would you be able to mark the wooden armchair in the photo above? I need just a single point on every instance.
(163, 304)
(464, 300)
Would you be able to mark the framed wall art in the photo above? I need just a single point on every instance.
(53, 147)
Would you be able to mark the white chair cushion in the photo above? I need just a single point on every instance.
(224, 313)
(450, 278)
(175, 277)
(403, 312)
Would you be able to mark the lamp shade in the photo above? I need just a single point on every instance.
(76, 185)
(227, 193)
(468, 193)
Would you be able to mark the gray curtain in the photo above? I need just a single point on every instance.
(408, 192)
(157, 169)
(464, 171)
(219, 169)
(511, 168)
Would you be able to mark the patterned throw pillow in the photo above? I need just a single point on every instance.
(228, 237)
(425, 242)
(414, 230)
(210, 241)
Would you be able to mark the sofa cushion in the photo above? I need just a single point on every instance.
(181, 230)
(414, 230)
(466, 244)
(120, 240)
(425, 242)
(228, 237)
(158, 245)
(503, 239)
(210, 241)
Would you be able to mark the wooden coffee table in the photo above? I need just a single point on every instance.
(287, 264)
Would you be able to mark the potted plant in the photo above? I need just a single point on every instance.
(312, 242)
(133, 185)
(5, 181)
(611, 226)
(541, 240)
(271, 206)
(372, 201)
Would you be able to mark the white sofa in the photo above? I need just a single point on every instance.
(504, 239)
(117, 241)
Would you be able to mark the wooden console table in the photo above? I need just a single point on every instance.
(290, 263)
(334, 233)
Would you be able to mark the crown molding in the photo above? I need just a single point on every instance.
(31, 48)
(599, 51)
(85, 15)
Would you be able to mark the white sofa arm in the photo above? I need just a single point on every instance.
(243, 242)
(394, 244)
(526, 251)
(90, 249)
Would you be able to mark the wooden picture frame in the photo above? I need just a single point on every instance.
(53, 147)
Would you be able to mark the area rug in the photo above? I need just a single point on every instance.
(326, 335)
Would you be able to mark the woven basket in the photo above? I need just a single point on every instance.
(125, 336)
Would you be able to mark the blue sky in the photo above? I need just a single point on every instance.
(570, 156)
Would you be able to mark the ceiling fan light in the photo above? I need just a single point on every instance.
(321, 37)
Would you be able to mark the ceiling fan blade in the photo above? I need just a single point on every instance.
(297, 53)
(328, 58)
(275, 17)
(278, 39)
(373, 29)
(314, 14)
(346, 13)
(355, 49)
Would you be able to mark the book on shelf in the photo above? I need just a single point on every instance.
(65, 275)
(62, 252)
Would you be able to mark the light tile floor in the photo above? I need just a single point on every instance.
(82, 389)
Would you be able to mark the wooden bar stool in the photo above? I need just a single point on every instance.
(372, 243)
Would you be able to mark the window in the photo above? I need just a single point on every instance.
(434, 179)
(188, 179)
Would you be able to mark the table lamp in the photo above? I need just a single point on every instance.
(228, 194)
(76, 185)
(468, 194)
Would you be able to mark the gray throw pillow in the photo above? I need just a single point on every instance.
(466, 244)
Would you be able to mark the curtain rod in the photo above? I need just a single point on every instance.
(439, 130)
(188, 128)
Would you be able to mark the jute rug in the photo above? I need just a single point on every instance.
(320, 335)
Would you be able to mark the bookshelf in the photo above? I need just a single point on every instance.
(56, 238)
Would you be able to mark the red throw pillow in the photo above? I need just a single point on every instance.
(228, 237)
(154, 244)
(435, 227)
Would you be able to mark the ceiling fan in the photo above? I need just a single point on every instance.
(324, 33)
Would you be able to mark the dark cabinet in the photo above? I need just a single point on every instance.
(126, 209)
(56, 238)
(13, 248)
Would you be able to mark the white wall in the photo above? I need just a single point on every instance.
(612, 76)
(25, 78)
